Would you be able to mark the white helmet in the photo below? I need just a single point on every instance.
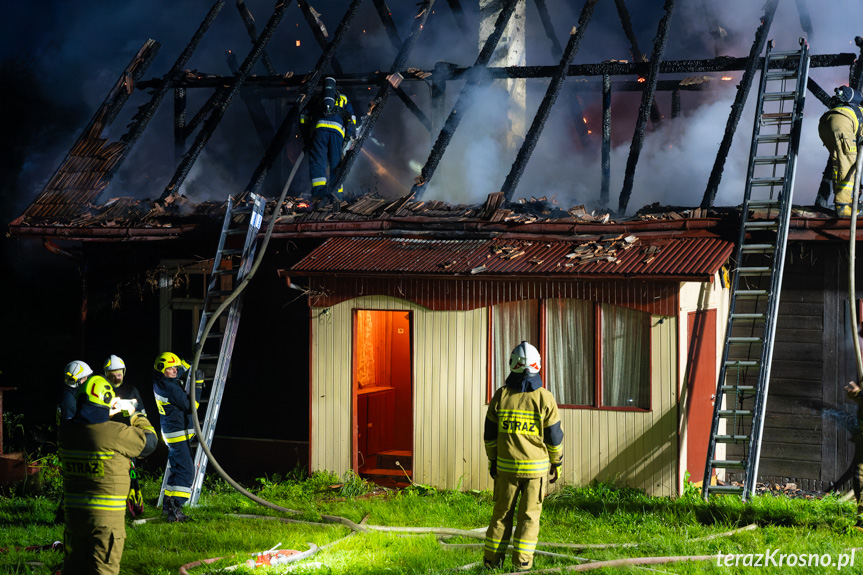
(524, 357)
(114, 363)
(75, 372)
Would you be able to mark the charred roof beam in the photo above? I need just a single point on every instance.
(389, 25)
(313, 18)
(476, 79)
(249, 23)
(287, 126)
(145, 113)
(855, 79)
(635, 51)
(412, 106)
(226, 96)
(743, 89)
(644, 110)
(383, 94)
(544, 110)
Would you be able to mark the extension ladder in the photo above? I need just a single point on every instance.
(217, 349)
(744, 375)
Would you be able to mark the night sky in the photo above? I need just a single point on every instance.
(59, 58)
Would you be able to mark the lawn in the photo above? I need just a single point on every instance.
(601, 522)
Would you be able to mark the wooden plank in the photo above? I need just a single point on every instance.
(790, 469)
(790, 369)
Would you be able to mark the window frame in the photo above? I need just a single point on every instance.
(598, 356)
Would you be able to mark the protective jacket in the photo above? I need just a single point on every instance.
(840, 129)
(95, 455)
(342, 120)
(522, 428)
(66, 405)
(324, 135)
(174, 407)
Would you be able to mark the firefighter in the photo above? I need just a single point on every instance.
(95, 453)
(841, 129)
(175, 411)
(325, 124)
(523, 441)
(76, 373)
(115, 372)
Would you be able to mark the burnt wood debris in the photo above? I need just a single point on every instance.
(89, 167)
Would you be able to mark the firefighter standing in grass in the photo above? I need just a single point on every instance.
(115, 373)
(95, 454)
(175, 411)
(840, 129)
(325, 123)
(523, 440)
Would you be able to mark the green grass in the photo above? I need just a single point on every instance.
(596, 514)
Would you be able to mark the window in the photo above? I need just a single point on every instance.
(595, 355)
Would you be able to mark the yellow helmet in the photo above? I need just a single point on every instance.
(166, 360)
(98, 391)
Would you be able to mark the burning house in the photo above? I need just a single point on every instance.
(380, 325)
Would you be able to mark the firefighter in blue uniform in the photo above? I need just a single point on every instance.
(175, 411)
(325, 124)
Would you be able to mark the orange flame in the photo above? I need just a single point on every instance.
(726, 78)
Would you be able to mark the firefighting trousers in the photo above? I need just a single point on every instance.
(837, 135)
(527, 494)
(93, 542)
(325, 152)
(179, 487)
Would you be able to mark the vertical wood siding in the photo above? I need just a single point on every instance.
(449, 391)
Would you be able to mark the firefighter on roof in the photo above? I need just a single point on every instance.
(523, 441)
(95, 454)
(325, 124)
(841, 129)
(175, 412)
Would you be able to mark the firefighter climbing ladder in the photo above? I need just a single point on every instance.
(744, 375)
(217, 350)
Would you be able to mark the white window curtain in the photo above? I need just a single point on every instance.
(514, 322)
(625, 357)
(569, 367)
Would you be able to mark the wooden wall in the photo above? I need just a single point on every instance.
(450, 371)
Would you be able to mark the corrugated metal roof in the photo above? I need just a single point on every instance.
(608, 256)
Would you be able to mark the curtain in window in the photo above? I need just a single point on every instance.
(625, 357)
(365, 349)
(514, 322)
(569, 367)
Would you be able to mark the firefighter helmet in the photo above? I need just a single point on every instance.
(75, 372)
(166, 360)
(524, 357)
(98, 391)
(114, 363)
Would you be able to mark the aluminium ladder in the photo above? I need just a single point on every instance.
(741, 393)
(216, 351)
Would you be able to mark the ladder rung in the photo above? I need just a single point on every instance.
(776, 96)
(735, 413)
(741, 363)
(757, 248)
(744, 340)
(783, 55)
(731, 438)
(728, 463)
(747, 293)
(781, 74)
(768, 181)
(737, 388)
(236, 231)
(766, 160)
(773, 138)
(209, 356)
(763, 203)
(753, 271)
(724, 489)
(761, 224)
(752, 316)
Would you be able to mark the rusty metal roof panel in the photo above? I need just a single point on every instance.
(611, 256)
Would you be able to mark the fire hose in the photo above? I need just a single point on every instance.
(199, 347)
(852, 256)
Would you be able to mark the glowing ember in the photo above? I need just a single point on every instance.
(583, 119)
(726, 78)
(298, 43)
(642, 79)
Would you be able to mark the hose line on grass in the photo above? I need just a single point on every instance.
(199, 347)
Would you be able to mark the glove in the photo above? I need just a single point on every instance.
(554, 474)
(492, 468)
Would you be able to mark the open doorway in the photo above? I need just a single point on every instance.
(383, 396)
